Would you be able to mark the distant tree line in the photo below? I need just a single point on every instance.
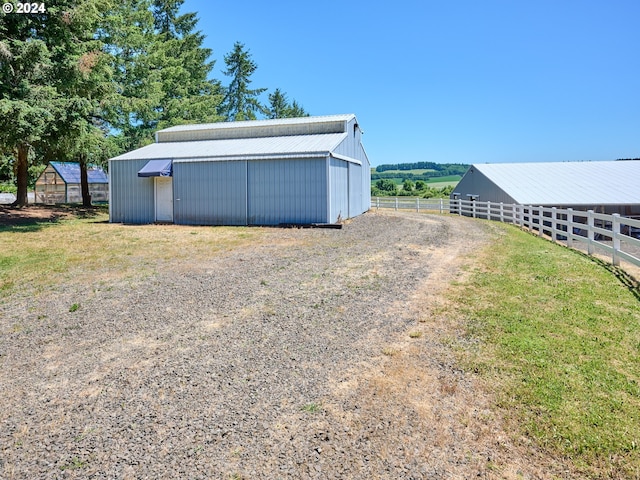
(386, 188)
(452, 168)
(85, 80)
(439, 170)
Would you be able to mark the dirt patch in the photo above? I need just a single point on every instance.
(311, 354)
(37, 214)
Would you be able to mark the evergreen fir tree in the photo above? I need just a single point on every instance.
(296, 110)
(27, 99)
(188, 96)
(241, 102)
(279, 106)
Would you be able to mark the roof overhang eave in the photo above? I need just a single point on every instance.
(268, 156)
(251, 157)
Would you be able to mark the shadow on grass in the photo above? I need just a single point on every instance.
(35, 217)
(626, 279)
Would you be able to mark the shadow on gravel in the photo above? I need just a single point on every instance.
(34, 217)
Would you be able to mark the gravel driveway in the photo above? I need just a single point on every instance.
(276, 360)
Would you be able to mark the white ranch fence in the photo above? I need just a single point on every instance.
(616, 235)
(412, 203)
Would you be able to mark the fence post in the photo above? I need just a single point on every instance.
(590, 232)
(377, 203)
(540, 222)
(488, 210)
(502, 212)
(473, 208)
(459, 207)
(418, 204)
(616, 238)
(570, 227)
(441, 205)
(396, 204)
(554, 219)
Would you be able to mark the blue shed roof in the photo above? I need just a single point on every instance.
(70, 172)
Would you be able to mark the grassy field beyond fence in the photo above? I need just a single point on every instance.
(559, 337)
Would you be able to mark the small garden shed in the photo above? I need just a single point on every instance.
(60, 183)
(263, 172)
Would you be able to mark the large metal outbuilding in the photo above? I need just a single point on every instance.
(606, 187)
(264, 172)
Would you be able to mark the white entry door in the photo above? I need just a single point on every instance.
(164, 199)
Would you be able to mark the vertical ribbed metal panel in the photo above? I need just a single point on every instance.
(339, 190)
(287, 191)
(366, 186)
(131, 197)
(352, 147)
(355, 190)
(210, 193)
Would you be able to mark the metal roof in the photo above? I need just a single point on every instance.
(297, 146)
(70, 172)
(567, 183)
(259, 123)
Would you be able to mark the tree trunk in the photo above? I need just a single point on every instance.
(22, 174)
(84, 182)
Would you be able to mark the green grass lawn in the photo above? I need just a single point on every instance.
(559, 337)
(436, 182)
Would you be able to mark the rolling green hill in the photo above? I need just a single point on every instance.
(425, 171)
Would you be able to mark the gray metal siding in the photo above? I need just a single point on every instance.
(287, 191)
(366, 187)
(352, 147)
(131, 197)
(349, 146)
(210, 193)
(475, 183)
(339, 190)
(356, 197)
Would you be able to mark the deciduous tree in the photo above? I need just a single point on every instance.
(83, 77)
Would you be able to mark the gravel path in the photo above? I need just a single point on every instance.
(290, 358)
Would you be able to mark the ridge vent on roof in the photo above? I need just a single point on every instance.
(255, 129)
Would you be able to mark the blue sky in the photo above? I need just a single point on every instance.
(463, 81)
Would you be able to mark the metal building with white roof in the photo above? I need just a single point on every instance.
(607, 187)
(264, 172)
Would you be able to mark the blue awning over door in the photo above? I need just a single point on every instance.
(157, 168)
